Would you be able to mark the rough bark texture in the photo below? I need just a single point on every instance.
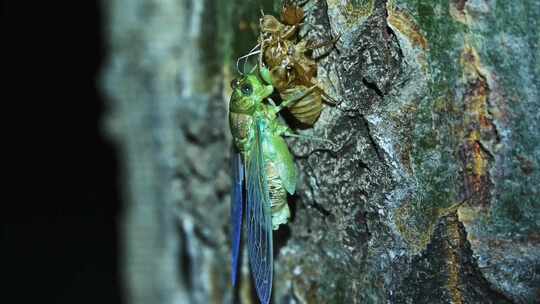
(429, 196)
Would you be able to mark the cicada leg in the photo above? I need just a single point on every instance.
(295, 98)
(324, 43)
(328, 99)
(284, 130)
(308, 137)
(271, 101)
(265, 74)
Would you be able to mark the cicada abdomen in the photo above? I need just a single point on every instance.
(278, 197)
(308, 109)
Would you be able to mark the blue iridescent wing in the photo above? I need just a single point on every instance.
(236, 211)
(259, 220)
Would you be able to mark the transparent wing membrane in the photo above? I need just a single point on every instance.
(236, 211)
(259, 220)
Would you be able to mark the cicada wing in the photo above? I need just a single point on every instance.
(259, 219)
(237, 205)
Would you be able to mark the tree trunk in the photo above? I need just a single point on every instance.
(430, 194)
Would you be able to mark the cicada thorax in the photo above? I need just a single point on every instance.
(303, 65)
(246, 99)
(240, 118)
(276, 52)
(281, 77)
(240, 125)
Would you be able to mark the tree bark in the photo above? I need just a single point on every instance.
(430, 194)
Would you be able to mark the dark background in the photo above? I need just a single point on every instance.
(60, 228)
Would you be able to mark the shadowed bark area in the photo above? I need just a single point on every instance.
(429, 195)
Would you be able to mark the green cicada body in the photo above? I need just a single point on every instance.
(263, 160)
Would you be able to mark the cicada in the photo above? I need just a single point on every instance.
(263, 164)
(292, 70)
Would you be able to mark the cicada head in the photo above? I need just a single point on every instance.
(248, 93)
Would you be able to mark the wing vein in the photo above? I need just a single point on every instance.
(260, 246)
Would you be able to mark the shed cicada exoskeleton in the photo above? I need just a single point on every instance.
(292, 70)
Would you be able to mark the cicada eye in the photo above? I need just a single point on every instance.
(235, 83)
(246, 89)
